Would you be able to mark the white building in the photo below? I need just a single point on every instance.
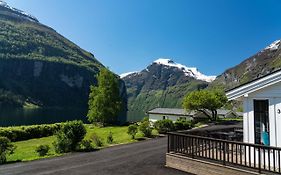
(262, 109)
(172, 114)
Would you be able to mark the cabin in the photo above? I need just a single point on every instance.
(259, 152)
(173, 114)
(262, 109)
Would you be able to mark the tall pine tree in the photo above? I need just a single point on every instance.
(104, 99)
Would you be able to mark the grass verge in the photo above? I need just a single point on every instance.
(25, 150)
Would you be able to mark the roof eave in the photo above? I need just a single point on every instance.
(243, 91)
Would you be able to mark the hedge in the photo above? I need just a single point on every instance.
(29, 132)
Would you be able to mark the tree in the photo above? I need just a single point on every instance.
(104, 99)
(206, 101)
(132, 130)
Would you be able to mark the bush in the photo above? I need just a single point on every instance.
(110, 138)
(164, 126)
(145, 127)
(6, 147)
(86, 145)
(62, 143)
(69, 136)
(29, 132)
(42, 150)
(132, 130)
(182, 124)
(97, 140)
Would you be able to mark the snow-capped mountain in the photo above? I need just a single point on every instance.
(163, 83)
(273, 46)
(127, 74)
(18, 12)
(188, 71)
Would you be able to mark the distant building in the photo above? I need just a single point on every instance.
(223, 113)
(173, 114)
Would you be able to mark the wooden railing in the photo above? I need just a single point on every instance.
(256, 157)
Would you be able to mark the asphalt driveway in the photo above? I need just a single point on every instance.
(146, 157)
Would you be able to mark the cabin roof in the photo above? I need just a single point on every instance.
(255, 85)
(172, 111)
(183, 112)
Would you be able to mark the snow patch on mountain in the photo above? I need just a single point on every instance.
(273, 46)
(127, 74)
(27, 15)
(189, 71)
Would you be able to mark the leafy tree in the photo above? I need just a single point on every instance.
(132, 130)
(104, 100)
(6, 147)
(206, 101)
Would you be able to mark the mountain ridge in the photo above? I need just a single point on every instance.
(189, 71)
(40, 66)
(260, 64)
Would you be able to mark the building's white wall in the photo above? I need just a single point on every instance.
(278, 121)
(272, 121)
(251, 121)
(245, 121)
(155, 117)
(273, 94)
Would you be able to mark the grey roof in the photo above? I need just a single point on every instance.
(171, 111)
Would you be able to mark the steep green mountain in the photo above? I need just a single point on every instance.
(164, 83)
(258, 65)
(39, 66)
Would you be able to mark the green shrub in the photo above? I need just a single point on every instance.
(62, 143)
(110, 138)
(6, 147)
(97, 140)
(132, 130)
(29, 132)
(145, 127)
(182, 124)
(164, 126)
(42, 150)
(86, 145)
(69, 136)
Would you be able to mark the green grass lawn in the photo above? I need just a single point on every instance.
(25, 150)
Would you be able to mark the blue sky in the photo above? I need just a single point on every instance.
(127, 35)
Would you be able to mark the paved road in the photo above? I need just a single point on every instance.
(147, 157)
